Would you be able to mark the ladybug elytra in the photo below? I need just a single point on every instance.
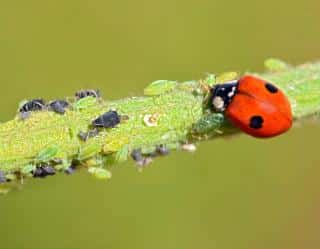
(254, 105)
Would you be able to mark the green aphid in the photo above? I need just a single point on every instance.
(122, 154)
(188, 85)
(275, 65)
(27, 170)
(84, 103)
(100, 173)
(210, 80)
(209, 123)
(227, 76)
(47, 154)
(88, 151)
(62, 166)
(95, 161)
(148, 150)
(159, 87)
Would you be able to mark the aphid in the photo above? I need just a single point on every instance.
(86, 93)
(208, 123)
(88, 151)
(256, 106)
(38, 172)
(84, 136)
(43, 171)
(159, 87)
(58, 106)
(47, 154)
(122, 154)
(162, 150)
(137, 155)
(145, 162)
(84, 103)
(70, 170)
(141, 160)
(2, 177)
(100, 173)
(276, 65)
(189, 147)
(30, 106)
(107, 120)
(28, 169)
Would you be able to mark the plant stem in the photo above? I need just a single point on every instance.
(175, 114)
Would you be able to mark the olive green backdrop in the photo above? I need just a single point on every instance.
(239, 193)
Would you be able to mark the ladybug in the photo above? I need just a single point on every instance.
(254, 105)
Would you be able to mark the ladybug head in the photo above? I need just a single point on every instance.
(222, 94)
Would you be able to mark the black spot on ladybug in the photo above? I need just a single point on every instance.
(271, 88)
(86, 93)
(33, 105)
(58, 106)
(107, 120)
(256, 122)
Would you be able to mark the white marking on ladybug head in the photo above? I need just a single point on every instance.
(218, 103)
(232, 92)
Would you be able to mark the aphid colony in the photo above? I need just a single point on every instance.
(58, 106)
(45, 164)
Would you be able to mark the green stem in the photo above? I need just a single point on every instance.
(176, 113)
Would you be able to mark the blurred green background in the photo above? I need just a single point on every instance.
(236, 193)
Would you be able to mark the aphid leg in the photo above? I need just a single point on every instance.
(24, 115)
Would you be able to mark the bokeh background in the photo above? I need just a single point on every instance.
(239, 193)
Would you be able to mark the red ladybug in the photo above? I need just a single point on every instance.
(256, 106)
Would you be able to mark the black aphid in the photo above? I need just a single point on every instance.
(2, 177)
(84, 136)
(70, 170)
(86, 93)
(137, 155)
(32, 105)
(107, 120)
(38, 172)
(58, 106)
(48, 170)
(43, 171)
(162, 150)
